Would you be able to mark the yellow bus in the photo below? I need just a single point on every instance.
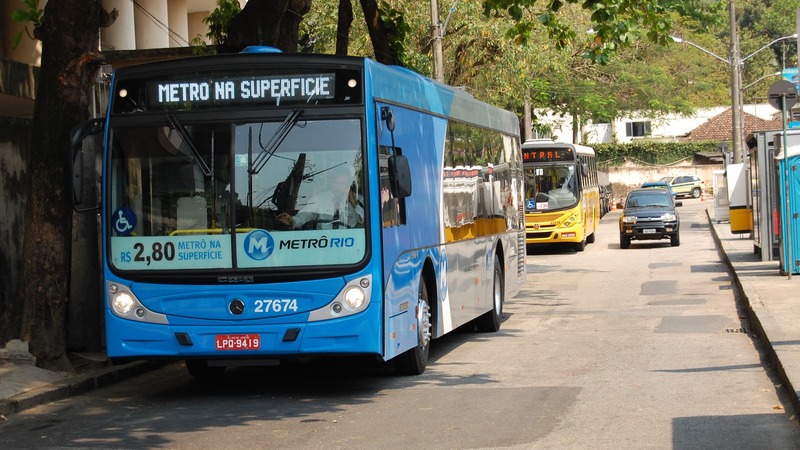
(562, 200)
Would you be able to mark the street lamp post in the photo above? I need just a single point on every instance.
(736, 88)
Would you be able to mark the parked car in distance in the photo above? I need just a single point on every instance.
(605, 200)
(658, 184)
(649, 214)
(686, 185)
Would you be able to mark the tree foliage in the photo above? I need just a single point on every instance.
(484, 58)
(648, 152)
(614, 24)
(218, 20)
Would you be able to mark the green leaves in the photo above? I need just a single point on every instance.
(648, 152)
(398, 30)
(31, 13)
(615, 24)
(218, 20)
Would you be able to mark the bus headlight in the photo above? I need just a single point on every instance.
(122, 303)
(571, 220)
(354, 298)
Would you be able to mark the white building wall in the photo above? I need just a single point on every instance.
(196, 26)
(151, 18)
(668, 127)
(121, 35)
(155, 23)
(178, 23)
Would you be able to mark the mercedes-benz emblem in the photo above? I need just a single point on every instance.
(236, 306)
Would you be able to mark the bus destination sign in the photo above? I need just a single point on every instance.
(547, 154)
(275, 90)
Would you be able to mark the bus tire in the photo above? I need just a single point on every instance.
(199, 368)
(590, 238)
(580, 246)
(491, 320)
(414, 361)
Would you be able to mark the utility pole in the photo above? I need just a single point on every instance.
(436, 42)
(736, 88)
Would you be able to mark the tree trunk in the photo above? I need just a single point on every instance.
(343, 27)
(68, 69)
(290, 25)
(378, 33)
(258, 23)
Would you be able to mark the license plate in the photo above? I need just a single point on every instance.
(649, 231)
(237, 341)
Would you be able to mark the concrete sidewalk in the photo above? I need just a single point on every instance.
(772, 303)
(24, 386)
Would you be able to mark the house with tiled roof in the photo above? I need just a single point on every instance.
(719, 128)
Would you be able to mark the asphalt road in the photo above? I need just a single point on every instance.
(606, 348)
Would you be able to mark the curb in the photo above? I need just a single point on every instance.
(75, 385)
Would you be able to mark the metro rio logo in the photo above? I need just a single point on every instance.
(259, 245)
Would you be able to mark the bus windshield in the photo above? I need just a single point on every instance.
(550, 187)
(248, 195)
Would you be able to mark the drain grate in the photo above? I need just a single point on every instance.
(737, 330)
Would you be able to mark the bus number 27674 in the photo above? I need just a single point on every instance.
(284, 305)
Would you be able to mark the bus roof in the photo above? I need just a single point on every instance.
(402, 86)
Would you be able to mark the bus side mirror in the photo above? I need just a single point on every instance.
(81, 132)
(399, 176)
(388, 116)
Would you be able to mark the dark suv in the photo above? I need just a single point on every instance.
(649, 214)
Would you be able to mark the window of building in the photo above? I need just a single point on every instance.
(637, 129)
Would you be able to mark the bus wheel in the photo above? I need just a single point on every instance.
(580, 246)
(413, 361)
(490, 321)
(200, 369)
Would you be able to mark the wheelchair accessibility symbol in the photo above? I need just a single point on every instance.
(124, 221)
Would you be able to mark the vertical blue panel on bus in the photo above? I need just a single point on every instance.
(406, 247)
(419, 137)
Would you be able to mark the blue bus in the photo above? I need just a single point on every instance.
(261, 206)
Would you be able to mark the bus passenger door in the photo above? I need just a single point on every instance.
(411, 225)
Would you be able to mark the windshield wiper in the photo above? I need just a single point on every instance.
(187, 138)
(275, 141)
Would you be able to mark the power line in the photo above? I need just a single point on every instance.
(177, 37)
